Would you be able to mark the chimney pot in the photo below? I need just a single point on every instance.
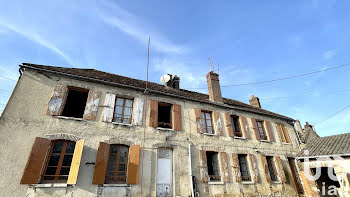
(214, 87)
(254, 101)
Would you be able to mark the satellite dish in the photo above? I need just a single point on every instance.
(165, 78)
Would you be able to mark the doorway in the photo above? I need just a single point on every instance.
(165, 172)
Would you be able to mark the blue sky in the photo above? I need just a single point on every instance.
(249, 40)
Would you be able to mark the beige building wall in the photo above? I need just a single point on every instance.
(24, 118)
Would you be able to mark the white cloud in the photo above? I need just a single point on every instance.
(35, 37)
(329, 54)
(115, 16)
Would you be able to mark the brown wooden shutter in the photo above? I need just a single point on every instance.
(280, 132)
(286, 134)
(91, 106)
(266, 168)
(281, 173)
(177, 117)
(134, 163)
(57, 101)
(108, 107)
(224, 166)
(31, 174)
(218, 124)
(254, 167)
(74, 168)
(203, 166)
(101, 163)
(153, 119)
(229, 125)
(244, 127)
(236, 169)
(198, 113)
(269, 131)
(255, 127)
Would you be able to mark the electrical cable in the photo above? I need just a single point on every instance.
(344, 108)
(283, 97)
(7, 78)
(280, 79)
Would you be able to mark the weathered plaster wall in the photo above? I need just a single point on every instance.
(24, 118)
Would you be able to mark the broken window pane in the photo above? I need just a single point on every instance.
(164, 115)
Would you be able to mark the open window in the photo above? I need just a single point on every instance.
(272, 168)
(235, 126)
(164, 115)
(244, 167)
(75, 102)
(213, 166)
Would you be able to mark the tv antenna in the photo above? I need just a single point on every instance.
(212, 66)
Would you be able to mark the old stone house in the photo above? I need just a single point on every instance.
(83, 132)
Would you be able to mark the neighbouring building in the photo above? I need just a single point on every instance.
(83, 132)
(331, 153)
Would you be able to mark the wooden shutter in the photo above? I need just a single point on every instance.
(266, 168)
(281, 173)
(91, 107)
(203, 166)
(74, 168)
(285, 131)
(177, 117)
(57, 101)
(153, 119)
(108, 107)
(134, 163)
(198, 113)
(280, 132)
(137, 112)
(101, 164)
(255, 127)
(224, 166)
(236, 169)
(269, 131)
(218, 124)
(254, 167)
(229, 125)
(244, 127)
(31, 174)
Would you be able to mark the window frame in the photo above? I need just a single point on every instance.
(76, 89)
(214, 178)
(205, 126)
(245, 159)
(235, 126)
(171, 114)
(59, 165)
(123, 109)
(117, 163)
(264, 137)
(271, 165)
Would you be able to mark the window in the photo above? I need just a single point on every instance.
(164, 115)
(213, 166)
(261, 130)
(117, 164)
(122, 110)
(59, 162)
(272, 168)
(283, 133)
(243, 166)
(235, 126)
(75, 102)
(207, 123)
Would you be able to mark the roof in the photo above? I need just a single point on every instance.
(118, 80)
(330, 145)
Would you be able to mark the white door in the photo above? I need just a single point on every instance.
(165, 173)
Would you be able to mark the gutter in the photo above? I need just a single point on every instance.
(313, 157)
(148, 90)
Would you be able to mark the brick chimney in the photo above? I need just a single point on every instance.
(214, 87)
(174, 82)
(254, 101)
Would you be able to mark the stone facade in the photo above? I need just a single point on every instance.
(25, 118)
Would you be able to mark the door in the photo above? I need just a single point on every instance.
(165, 172)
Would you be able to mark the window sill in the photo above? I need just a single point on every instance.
(115, 185)
(266, 141)
(164, 129)
(69, 118)
(276, 182)
(284, 143)
(240, 138)
(122, 124)
(247, 182)
(209, 134)
(216, 183)
(48, 185)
